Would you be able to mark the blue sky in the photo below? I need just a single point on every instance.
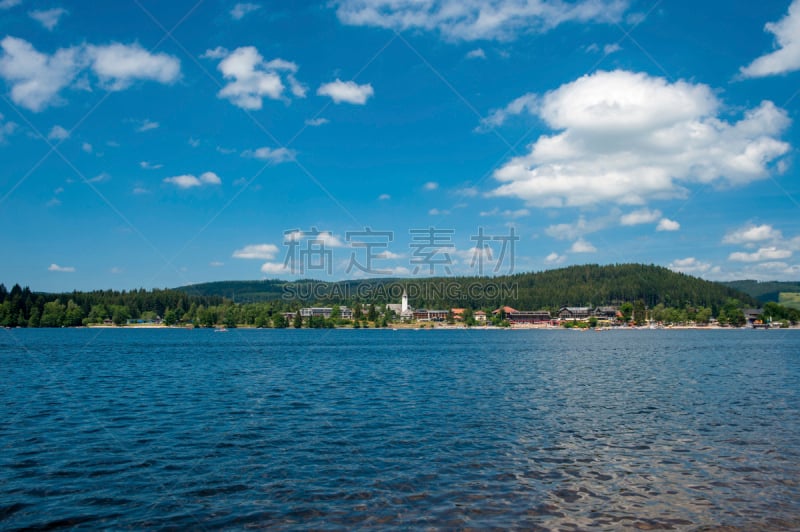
(157, 144)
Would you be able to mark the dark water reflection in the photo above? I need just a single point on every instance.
(549, 430)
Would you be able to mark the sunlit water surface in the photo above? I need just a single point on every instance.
(344, 429)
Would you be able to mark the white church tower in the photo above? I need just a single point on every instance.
(404, 305)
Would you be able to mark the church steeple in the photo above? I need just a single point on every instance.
(404, 305)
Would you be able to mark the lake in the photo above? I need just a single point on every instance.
(348, 429)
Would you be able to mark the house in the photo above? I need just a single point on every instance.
(574, 313)
(754, 318)
(458, 313)
(430, 315)
(504, 310)
(480, 316)
(607, 313)
(316, 312)
(529, 316)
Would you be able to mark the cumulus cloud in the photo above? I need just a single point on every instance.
(693, 266)
(555, 258)
(88, 148)
(346, 91)
(251, 78)
(8, 4)
(64, 269)
(37, 78)
(384, 197)
(430, 185)
(525, 103)
(240, 10)
(477, 53)
(770, 253)
(58, 133)
(457, 20)
(119, 65)
(640, 216)
(582, 246)
(189, 181)
(257, 251)
(665, 224)
(624, 137)
(752, 234)
(48, 17)
(275, 268)
(786, 57)
(146, 165)
(275, 155)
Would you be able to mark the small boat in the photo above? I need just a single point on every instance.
(221, 329)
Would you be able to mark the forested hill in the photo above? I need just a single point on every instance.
(589, 284)
(764, 291)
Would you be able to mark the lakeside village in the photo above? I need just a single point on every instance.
(402, 315)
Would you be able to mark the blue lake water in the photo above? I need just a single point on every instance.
(344, 429)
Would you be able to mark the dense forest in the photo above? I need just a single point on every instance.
(764, 291)
(589, 285)
(671, 297)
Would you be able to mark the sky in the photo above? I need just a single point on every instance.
(159, 144)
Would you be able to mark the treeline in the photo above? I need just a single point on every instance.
(764, 291)
(587, 285)
(20, 307)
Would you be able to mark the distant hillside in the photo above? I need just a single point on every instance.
(574, 285)
(764, 291)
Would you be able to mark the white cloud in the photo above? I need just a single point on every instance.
(665, 224)
(477, 53)
(8, 4)
(627, 138)
(216, 264)
(190, 181)
(116, 270)
(507, 213)
(316, 122)
(257, 251)
(640, 216)
(327, 238)
(430, 185)
(56, 268)
(240, 10)
(251, 79)
(36, 79)
(459, 20)
(48, 17)
(140, 190)
(582, 246)
(752, 234)
(786, 58)
(99, 178)
(384, 197)
(763, 254)
(438, 212)
(150, 166)
(58, 133)
(147, 125)
(275, 268)
(691, 265)
(120, 65)
(193, 142)
(527, 102)
(346, 91)
(87, 147)
(555, 258)
(567, 231)
(467, 192)
(275, 155)
(611, 48)
(6, 128)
